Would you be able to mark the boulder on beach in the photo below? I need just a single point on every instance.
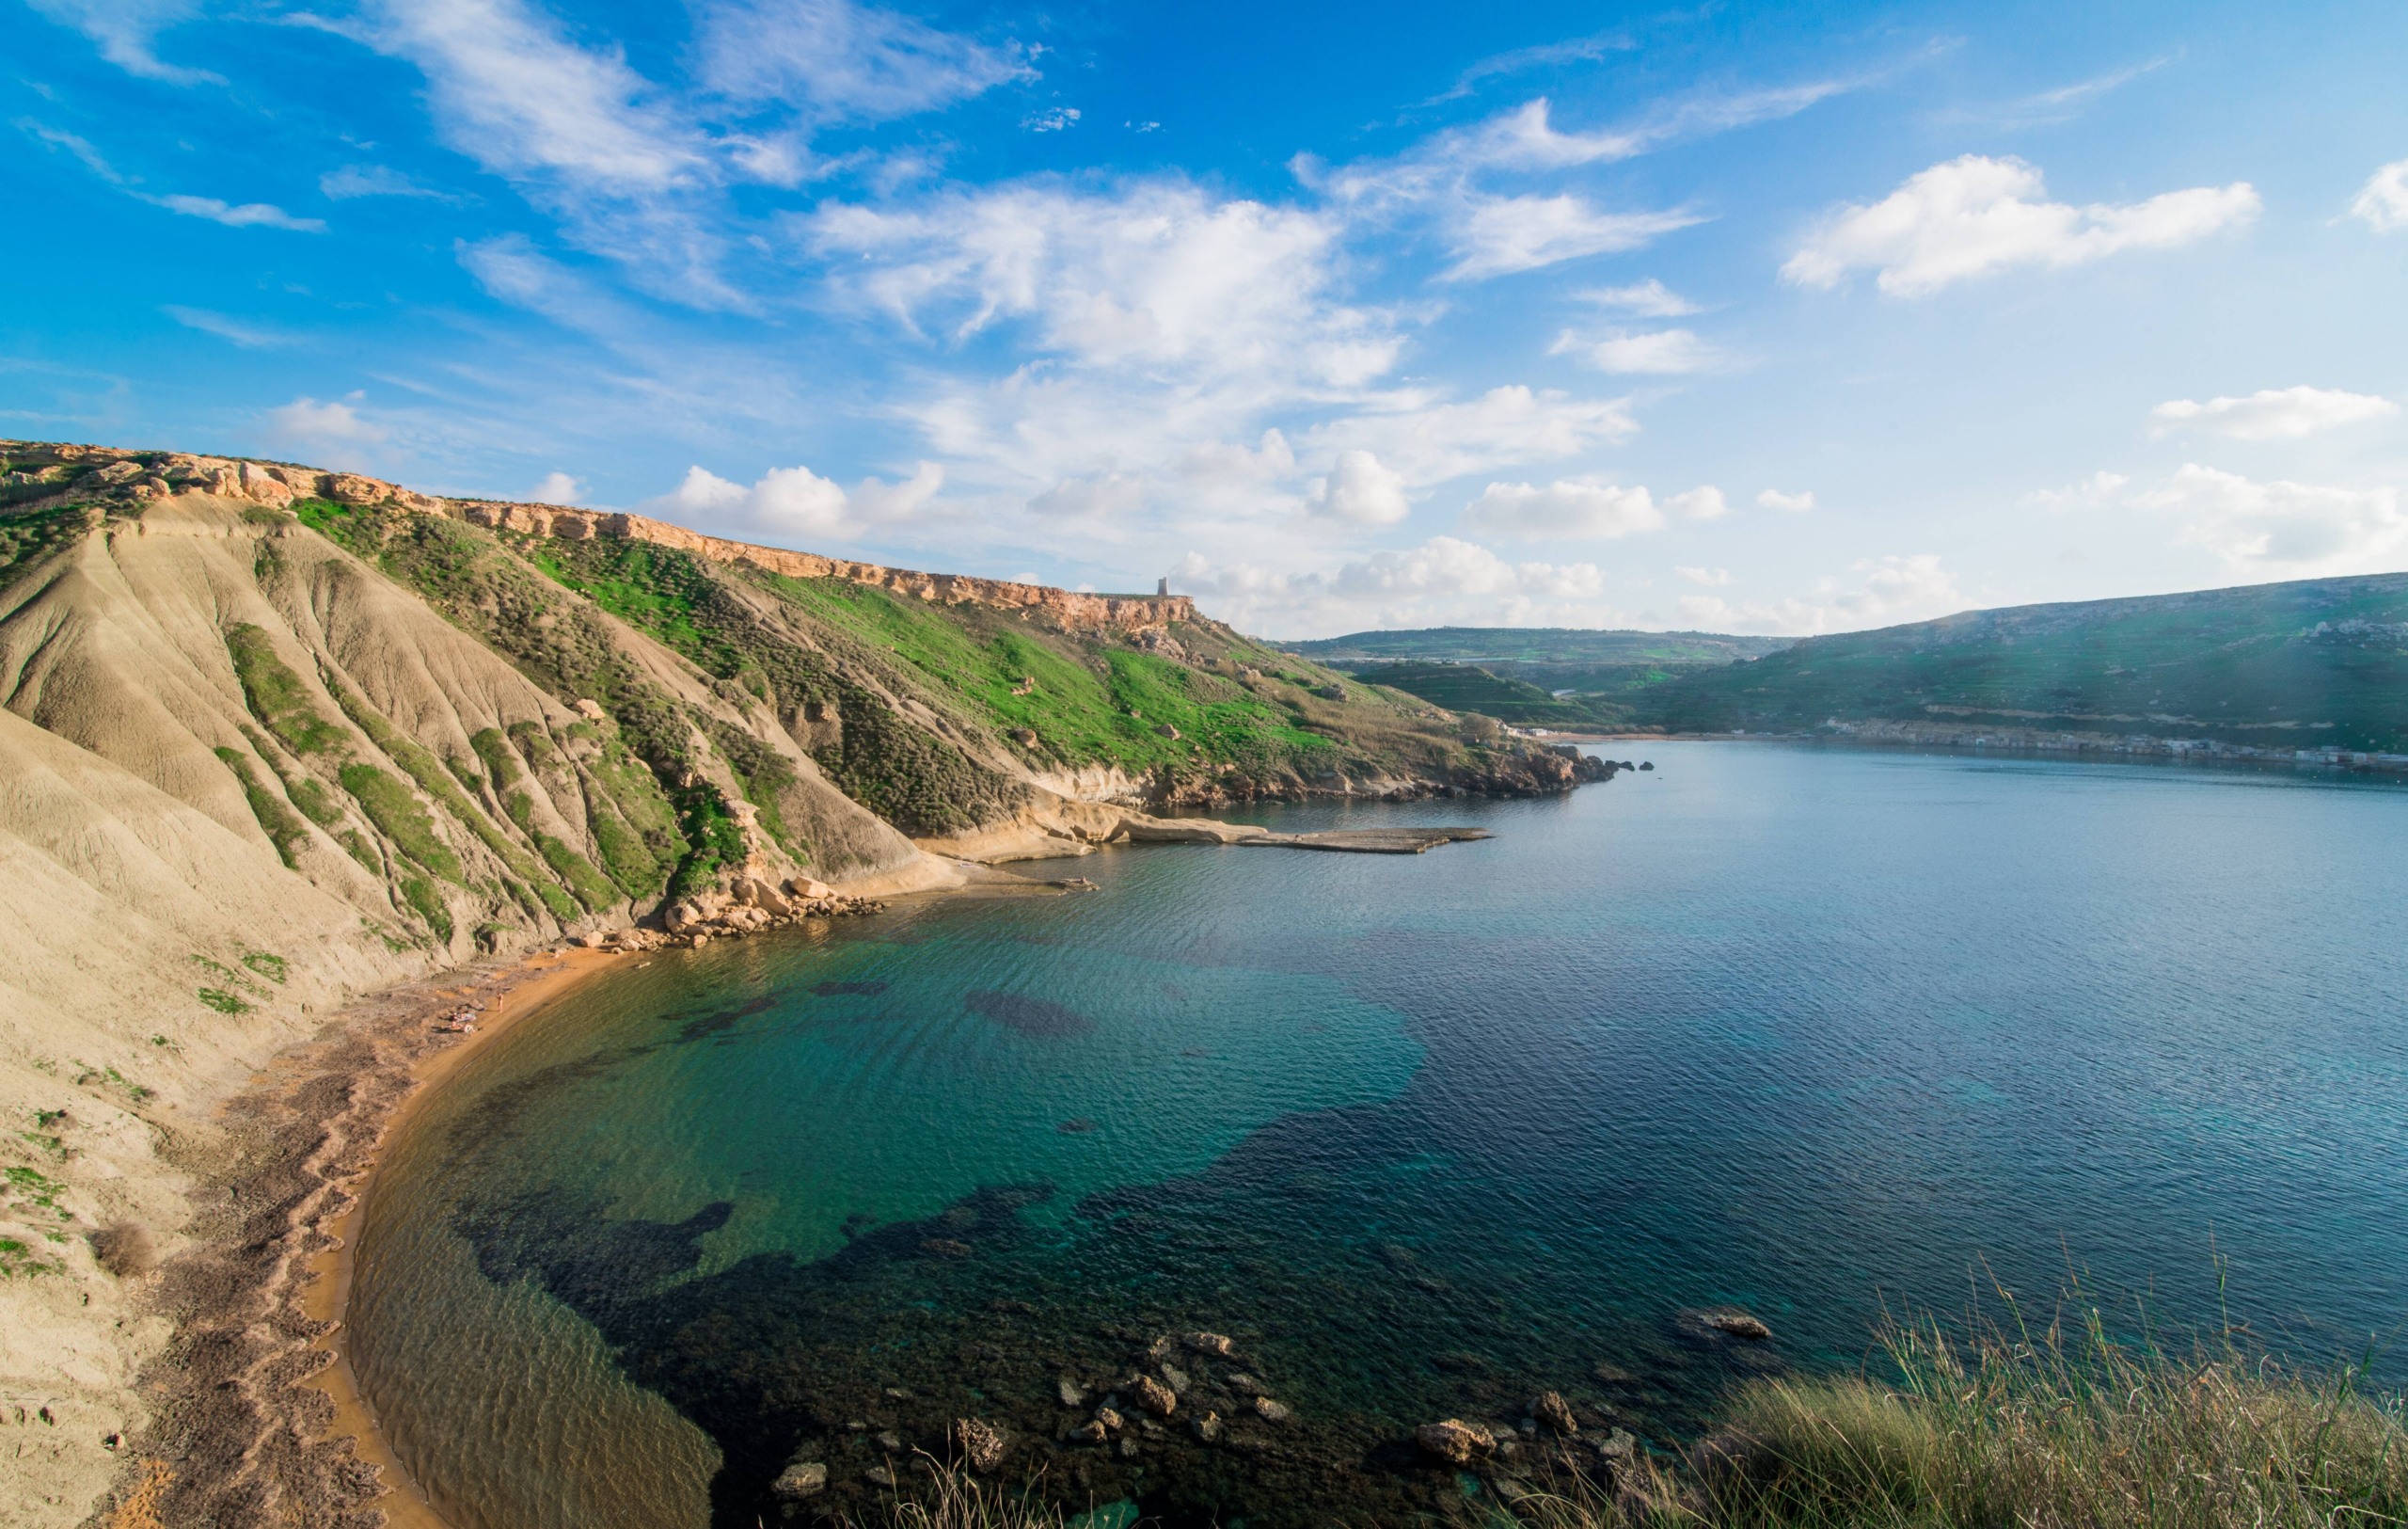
(1454, 1440)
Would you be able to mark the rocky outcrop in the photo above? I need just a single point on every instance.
(1454, 1440)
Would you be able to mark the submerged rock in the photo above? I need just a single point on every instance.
(1271, 1411)
(982, 1443)
(1072, 1392)
(1454, 1440)
(1739, 1325)
(1208, 1428)
(1154, 1396)
(1213, 1343)
(1550, 1408)
(1244, 1385)
(1110, 1419)
(803, 1478)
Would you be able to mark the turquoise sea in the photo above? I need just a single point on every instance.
(1813, 1033)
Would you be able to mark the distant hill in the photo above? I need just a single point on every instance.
(2314, 663)
(1565, 676)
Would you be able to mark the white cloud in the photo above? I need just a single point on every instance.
(1498, 236)
(1361, 490)
(237, 331)
(796, 501)
(1709, 577)
(126, 32)
(1703, 503)
(353, 181)
(2059, 104)
(2381, 205)
(1105, 494)
(2273, 413)
(2293, 530)
(1664, 352)
(1648, 299)
(1885, 591)
(1773, 499)
(2098, 489)
(1975, 215)
(1444, 579)
(844, 62)
(1430, 443)
(332, 432)
(1052, 119)
(249, 214)
(560, 488)
(1569, 508)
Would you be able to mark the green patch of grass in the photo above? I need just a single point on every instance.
(274, 968)
(425, 901)
(18, 1260)
(36, 1188)
(400, 817)
(276, 820)
(654, 588)
(53, 1146)
(277, 696)
(715, 837)
(223, 1001)
(28, 541)
(501, 760)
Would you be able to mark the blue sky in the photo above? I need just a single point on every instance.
(1752, 318)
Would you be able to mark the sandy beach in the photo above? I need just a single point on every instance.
(255, 1416)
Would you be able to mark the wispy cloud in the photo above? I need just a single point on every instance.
(249, 215)
(1648, 299)
(2272, 413)
(2382, 203)
(1661, 352)
(127, 33)
(233, 330)
(354, 181)
(2060, 105)
(1580, 50)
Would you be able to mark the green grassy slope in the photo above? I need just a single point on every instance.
(1470, 687)
(2307, 665)
(917, 710)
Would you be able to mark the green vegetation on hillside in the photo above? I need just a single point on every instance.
(1551, 676)
(1470, 687)
(2309, 664)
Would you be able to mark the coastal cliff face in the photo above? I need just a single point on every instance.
(273, 737)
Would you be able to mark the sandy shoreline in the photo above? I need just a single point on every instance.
(257, 1418)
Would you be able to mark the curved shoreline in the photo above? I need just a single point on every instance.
(325, 1293)
(257, 1416)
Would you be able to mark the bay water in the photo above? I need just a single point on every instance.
(1816, 1033)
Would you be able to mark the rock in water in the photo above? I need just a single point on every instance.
(1552, 1409)
(1208, 1428)
(1454, 1440)
(1176, 1379)
(1072, 1392)
(982, 1443)
(1153, 1395)
(1739, 1325)
(1110, 1419)
(1271, 1411)
(1213, 1344)
(803, 1478)
(1616, 1448)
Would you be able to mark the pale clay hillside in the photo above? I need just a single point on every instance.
(249, 776)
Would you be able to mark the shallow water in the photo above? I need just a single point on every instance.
(1807, 1031)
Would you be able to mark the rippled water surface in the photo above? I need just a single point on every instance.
(1803, 1032)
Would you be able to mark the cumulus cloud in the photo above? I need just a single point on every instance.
(1105, 494)
(2098, 489)
(2272, 413)
(796, 501)
(333, 432)
(1430, 443)
(1568, 508)
(2381, 205)
(559, 488)
(1709, 577)
(1663, 351)
(1705, 503)
(127, 33)
(1648, 299)
(1360, 489)
(1773, 499)
(1444, 579)
(1975, 215)
(1884, 591)
(2292, 529)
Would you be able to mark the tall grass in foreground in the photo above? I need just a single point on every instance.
(2009, 1429)
(2067, 1428)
